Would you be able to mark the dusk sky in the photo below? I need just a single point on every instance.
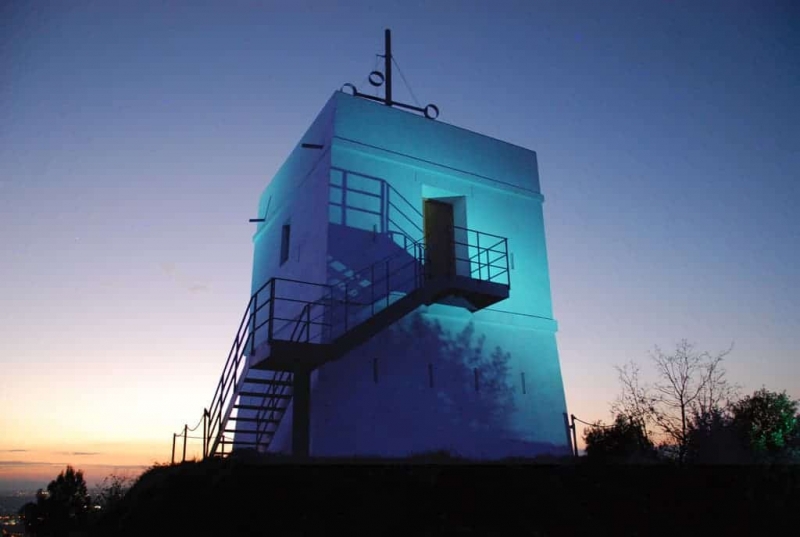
(136, 138)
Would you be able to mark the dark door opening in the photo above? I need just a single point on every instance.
(440, 247)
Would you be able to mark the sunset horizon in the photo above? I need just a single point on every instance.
(136, 140)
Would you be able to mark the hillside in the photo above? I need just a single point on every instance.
(277, 497)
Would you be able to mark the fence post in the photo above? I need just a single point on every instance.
(185, 434)
(574, 434)
(205, 433)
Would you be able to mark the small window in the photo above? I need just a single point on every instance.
(285, 232)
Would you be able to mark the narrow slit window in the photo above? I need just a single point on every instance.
(285, 235)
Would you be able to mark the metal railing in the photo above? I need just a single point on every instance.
(369, 291)
(293, 310)
(216, 415)
(368, 195)
(486, 263)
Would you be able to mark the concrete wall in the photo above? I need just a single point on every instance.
(297, 195)
(412, 387)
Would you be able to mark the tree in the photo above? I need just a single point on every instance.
(624, 441)
(635, 400)
(712, 439)
(63, 508)
(111, 491)
(690, 385)
(768, 424)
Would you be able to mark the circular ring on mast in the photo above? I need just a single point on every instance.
(348, 85)
(431, 111)
(376, 78)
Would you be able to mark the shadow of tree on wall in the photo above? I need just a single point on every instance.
(423, 394)
(481, 404)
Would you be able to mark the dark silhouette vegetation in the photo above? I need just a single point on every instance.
(436, 494)
(693, 415)
(61, 509)
(623, 442)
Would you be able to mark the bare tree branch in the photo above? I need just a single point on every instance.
(689, 384)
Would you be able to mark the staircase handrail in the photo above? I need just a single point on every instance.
(230, 368)
(230, 379)
(273, 399)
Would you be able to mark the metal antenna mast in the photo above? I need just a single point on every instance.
(377, 79)
(388, 65)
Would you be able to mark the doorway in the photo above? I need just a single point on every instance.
(440, 250)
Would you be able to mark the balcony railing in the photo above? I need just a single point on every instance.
(290, 310)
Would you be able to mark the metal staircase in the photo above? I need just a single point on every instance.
(290, 328)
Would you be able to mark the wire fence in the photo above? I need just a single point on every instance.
(193, 446)
(194, 450)
(571, 422)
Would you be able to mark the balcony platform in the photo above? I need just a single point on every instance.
(459, 291)
(467, 292)
(283, 355)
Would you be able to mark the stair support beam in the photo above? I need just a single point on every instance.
(301, 413)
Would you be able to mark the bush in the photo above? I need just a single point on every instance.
(622, 442)
(768, 425)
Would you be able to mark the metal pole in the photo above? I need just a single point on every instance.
(185, 434)
(478, 246)
(205, 433)
(574, 435)
(384, 208)
(388, 65)
(308, 322)
(254, 304)
(173, 447)
(271, 308)
(301, 412)
(508, 269)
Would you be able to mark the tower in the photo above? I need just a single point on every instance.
(400, 296)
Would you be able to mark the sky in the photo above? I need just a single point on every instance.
(136, 138)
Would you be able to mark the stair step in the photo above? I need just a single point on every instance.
(259, 407)
(253, 420)
(248, 432)
(267, 395)
(268, 381)
(243, 443)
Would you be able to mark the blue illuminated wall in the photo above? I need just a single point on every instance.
(413, 387)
